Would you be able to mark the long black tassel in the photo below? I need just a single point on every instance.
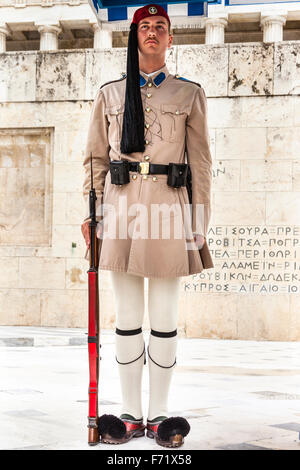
(133, 131)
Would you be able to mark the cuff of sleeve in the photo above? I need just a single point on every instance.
(200, 218)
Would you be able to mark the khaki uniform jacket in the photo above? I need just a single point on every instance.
(176, 131)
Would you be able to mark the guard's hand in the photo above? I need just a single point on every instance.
(86, 232)
(85, 229)
(199, 240)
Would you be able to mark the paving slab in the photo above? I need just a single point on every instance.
(240, 395)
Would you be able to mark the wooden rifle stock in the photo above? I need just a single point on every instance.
(93, 320)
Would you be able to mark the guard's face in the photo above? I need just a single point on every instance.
(153, 35)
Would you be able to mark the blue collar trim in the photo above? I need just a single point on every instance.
(143, 81)
(157, 80)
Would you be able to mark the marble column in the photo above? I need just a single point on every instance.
(49, 37)
(3, 33)
(102, 37)
(215, 30)
(273, 27)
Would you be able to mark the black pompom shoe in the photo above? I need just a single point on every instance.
(114, 430)
(168, 432)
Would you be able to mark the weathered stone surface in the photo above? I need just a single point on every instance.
(103, 66)
(76, 274)
(263, 317)
(68, 177)
(283, 208)
(60, 75)
(172, 60)
(283, 143)
(226, 175)
(69, 145)
(258, 317)
(222, 69)
(209, 314)
(42, 273)
(287, 68)
(25, 201)
(296, 111)
(294, 323)
(17, 76)
(63, 116)
(241, 143)
(255, 196)
(67, 241)
(296, 176)
(74, 208)
(250, 69)
(271, 175)
(229, 208)
(224, 113)
(264, 111)
(59, 208)
(65, 308)
(20, 307)
(205, 64)
(9, 272)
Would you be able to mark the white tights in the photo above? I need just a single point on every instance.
(163, 298)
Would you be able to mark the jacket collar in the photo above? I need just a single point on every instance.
(158, 78)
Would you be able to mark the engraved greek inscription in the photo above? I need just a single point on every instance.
(251, 259)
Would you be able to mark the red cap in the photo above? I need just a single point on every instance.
(150, 10)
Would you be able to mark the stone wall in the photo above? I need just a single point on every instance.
(254, 120)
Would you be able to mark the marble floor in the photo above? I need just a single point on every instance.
(235, 394)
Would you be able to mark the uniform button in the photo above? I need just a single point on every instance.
(134, 177)
(147, 126)
(146, 142)
(177, 112)
(154, 178)
(146, 157)
(145, 177)
(148, 110)
(149, 84)
(149, 95)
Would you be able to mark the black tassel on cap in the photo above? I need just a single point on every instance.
(133, 139)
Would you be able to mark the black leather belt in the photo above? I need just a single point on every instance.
(177, 172)
(147, 168)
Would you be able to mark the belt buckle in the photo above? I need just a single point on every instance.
(144, 168)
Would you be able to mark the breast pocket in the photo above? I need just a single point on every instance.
(115, 115)
(173, 122)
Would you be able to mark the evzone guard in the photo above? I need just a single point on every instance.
(148, 142)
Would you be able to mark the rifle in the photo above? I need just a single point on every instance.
(93, 330)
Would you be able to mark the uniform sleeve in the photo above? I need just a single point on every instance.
(97, 144)
(200, 161)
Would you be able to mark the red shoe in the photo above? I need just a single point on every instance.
(168, 432)
(114, 430)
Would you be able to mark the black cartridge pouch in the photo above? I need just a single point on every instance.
(177, 174)
(119, 170)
